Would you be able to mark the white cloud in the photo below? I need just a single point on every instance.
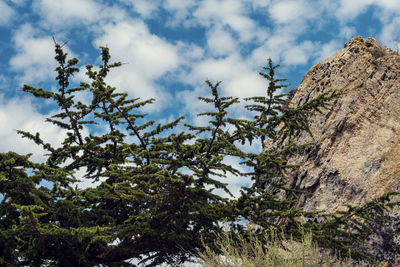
(6, 13)
(257, 4)
(275, 48)
(285, 47)
(390, 35)
(62, 13)
(35, 55)
(289, 11)
(234, 15)
(189, 52)
(387, 12)
(62, 16)
(298, 54)
(234, 183)
(328, 49)
(144, 7)
(347, 32)
(5, 83)
(18, 2)
(392, 5)
(326, 8)
(238, 79)
(247, 84)
(222, 14)
(21, 114)
(220, 42)
(148, 58)
(214, 69)
(85, 182)
(180, 10)
(350, 10)
(193, 106)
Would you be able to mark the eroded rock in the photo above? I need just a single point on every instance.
(357, 153)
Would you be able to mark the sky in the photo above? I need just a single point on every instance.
(169, 48)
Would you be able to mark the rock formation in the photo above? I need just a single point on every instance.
(356, 156)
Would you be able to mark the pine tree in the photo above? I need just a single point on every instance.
(156, 200)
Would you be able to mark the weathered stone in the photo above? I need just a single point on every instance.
(357, 153)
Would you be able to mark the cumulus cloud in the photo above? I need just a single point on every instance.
(148, 58)
(5, 83)
(67, 12)
(189, 52)
(387, 12)
(85, 182)
(144, 7)
(180, 10)
(328, 49)
(299, 54)
(347, 32)
(6, 13)
(18, 2)
(234, 182)
(220, 42)
(350, 10)
(275, 47)
(61, 17)
(34, 59)
(239, 79)
(390, 35)
(289, 11)
(22, 114)
(234, 15)
(192, 105)
(257, 4)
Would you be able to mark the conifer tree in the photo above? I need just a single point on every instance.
(156, 200)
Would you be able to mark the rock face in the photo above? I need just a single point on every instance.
(357, 153)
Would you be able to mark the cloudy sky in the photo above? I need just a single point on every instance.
(171, 47)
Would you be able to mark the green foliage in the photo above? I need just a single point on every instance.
(156, 200)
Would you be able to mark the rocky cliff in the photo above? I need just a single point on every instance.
(356, 156)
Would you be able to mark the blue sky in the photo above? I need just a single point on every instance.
(171, 47)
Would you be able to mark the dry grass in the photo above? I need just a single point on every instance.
(251, 254)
